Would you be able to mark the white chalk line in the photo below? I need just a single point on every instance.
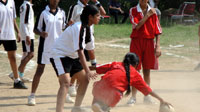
(31, 64)
(166, 53)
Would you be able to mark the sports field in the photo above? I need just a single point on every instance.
(176, 80)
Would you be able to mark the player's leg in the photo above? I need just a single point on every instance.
(64, 81)
(28, 53)
(11, 47)
(35, 83)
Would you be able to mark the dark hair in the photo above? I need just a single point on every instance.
(88, 10)
(130, 59)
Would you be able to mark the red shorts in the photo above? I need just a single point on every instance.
(144, 48)
(106, 94)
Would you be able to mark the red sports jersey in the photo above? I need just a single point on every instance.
(150, 28)
(115, 76)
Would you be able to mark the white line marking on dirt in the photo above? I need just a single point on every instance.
(31, 64)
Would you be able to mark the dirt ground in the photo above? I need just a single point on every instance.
(175, 81)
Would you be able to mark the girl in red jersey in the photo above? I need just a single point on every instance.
(117, 78)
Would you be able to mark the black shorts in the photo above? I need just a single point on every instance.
(9, 45)
(66, 65)
(27, 48)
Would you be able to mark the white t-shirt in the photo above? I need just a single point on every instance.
(7, 16)
(53, 24)
(26, 20)
(71, 40)
(152, 3)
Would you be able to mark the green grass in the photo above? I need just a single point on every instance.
(176, 34)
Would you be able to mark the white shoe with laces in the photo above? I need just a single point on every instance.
(69, 99)
(72, 91)
(96, 108)
(31, 101)
(148, 100)
(131, 101)
(11, 76)
(26, 79)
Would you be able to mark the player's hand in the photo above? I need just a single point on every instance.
(91, 75)
(28, 40)
(44, 34)
(151, 12)
(18, 37)
(157, 51)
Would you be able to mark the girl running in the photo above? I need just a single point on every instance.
(119, 76)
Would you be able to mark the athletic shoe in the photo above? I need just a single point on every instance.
(69, 99)
(23, 79)
(72, 91)
(148, 100)
(131, 101)
(97, 108)
(31, 100)
(11, 76)
(26, 80)
(19, 85)
(79, 109)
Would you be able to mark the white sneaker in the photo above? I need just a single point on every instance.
(79, 109)
(11, 76)
(131, 101)
(72, 91)
(96, 108)
(26, 80)
(148, 100)
(31, 100)
(69, 99)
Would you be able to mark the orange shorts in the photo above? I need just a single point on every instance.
(106, 94)
(144, 48)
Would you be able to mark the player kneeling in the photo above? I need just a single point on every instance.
(118, 77)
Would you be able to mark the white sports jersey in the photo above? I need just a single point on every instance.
(53, 24)
(26, 20)
(7, 16)
(71, 40)
(75, 12)
(152, 3)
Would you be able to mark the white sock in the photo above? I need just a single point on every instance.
(17, 80)
(32, 95)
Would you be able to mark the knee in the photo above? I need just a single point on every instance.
(39, 71)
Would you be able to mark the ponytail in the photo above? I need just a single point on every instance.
(129, 59)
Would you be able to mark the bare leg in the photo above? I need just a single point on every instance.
(81, 76)
(24, 61)
(13, 63)
(146, 73)
(36, 79)
(64, 81)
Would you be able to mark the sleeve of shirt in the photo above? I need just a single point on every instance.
(158, 27)
(64, 20)
(76, 14)
(134, 20)
(139, 83)
(14, 10)
(70, 12)
(24, 25)
(103, 68)
(77, 38)
(91, 45)
(39, 22)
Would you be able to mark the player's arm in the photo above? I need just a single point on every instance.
(144, 19)
(157, 46)
(17, 30)
(26, 14)
(101, 9)
(38, 28)
(84, 64)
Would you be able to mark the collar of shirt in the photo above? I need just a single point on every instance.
(28, 2)
(140, 10)
(81, 4)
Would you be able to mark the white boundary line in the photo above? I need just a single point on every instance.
(31, 64)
